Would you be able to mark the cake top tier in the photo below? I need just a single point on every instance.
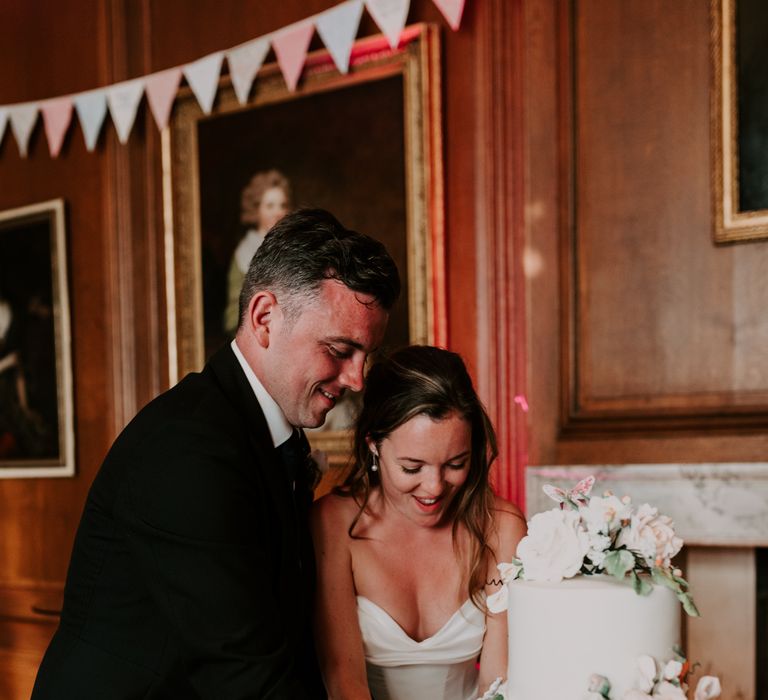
(588, 535)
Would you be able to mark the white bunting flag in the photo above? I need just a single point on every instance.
(3, 122)
(390, 16)
(452, 11)
(91, 108)
(123, 100)
(290, 47)
(57, 116)
(23, 118)
(337, 28)
(244, 62)
(203, 78)
(161, 89)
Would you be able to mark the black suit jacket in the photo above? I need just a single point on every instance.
(192, 571)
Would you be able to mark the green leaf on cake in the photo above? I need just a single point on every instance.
(641, 584)
(618, 562)
(679, 586)
(688, 605)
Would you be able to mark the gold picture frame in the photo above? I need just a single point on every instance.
(365, 145)
(731, 221)
(36, 404)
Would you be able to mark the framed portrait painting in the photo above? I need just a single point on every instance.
(366, 146)
(739, 119)
(36, 411)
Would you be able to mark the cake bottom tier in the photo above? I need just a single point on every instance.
(562, 633)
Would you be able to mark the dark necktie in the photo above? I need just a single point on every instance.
(294, 453)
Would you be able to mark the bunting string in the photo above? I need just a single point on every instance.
(337, 28)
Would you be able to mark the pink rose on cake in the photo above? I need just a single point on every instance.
(554, 547)
(652, 536)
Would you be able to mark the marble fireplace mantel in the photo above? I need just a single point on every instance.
(719, 504)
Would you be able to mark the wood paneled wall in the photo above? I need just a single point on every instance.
(114, 240)
(576, 150)
(647, 339)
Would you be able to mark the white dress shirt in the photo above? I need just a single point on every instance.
(279, 427)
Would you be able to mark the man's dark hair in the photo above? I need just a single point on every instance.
(309, 246)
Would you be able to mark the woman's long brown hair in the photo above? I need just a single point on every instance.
(425, 380)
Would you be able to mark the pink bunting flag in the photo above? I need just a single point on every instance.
(161, 89)
(452, 11)
(57, 116)
(390, 16)
(290, 47)
(337, 28)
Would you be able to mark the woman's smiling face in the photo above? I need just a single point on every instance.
(423, 464)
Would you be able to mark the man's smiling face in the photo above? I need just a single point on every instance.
(313, 358)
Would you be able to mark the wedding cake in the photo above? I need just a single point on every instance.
(593, 603)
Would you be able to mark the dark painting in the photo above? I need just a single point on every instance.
(341, 150)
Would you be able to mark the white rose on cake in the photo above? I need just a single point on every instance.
(652, 536)
(708, 687)
(606, 515)
(667, 691)
(554, 547)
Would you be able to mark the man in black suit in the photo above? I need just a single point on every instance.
(192, 571)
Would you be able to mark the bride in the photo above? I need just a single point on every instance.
(407, 546)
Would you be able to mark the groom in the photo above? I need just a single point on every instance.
(192, 571)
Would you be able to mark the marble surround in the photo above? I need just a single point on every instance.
(719, 504)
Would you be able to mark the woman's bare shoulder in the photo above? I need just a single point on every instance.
(335, 510)
(509, 527)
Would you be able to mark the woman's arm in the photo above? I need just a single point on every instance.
(337, 631)
(507, 530)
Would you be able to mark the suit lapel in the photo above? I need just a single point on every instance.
(296, 577)
(230, 376)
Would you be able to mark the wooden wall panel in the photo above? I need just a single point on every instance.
(656, 329)
(45, 54)
(646, 337)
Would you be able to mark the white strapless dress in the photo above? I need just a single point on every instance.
(442, 667)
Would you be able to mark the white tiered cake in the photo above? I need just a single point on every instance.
(562, 633)
(593, 603)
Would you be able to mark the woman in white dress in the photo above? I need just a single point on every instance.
(407, 546)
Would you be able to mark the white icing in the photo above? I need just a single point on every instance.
(562, 633)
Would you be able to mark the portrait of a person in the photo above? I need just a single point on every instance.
(263, 202)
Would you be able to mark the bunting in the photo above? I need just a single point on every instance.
(161, 89)
(57, 114)
(337, 27)
(23, 118)
(91, 108)
(123, 101)
(452, 11)
(3, 122)
(390, 16)
(203, 78)
(290, 47)
(244, 62)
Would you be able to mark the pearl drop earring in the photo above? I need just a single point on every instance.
(374, 462)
